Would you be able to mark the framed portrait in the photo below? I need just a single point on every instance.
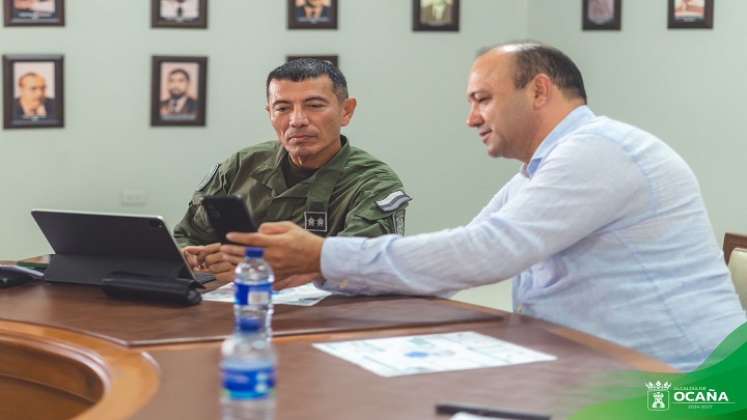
(312, 14)
(690, 14)
(178, 91)
(331, 58)
(33, 91)
(601, 15)
(435, 15)
(34, 12)
(178, 14)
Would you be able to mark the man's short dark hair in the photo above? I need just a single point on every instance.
(533, 58)
(182, 71)
(310, 68)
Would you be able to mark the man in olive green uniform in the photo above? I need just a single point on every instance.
(312, 175)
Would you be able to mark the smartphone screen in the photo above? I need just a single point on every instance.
(228, 213)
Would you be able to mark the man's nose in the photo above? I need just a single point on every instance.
(298, 119)
(473, 118)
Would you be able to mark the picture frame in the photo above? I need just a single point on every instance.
(179, 14)
(435, 15)
(178, 90)
(33, 91)
(312, 14)
(334, 59)
(690, 14)
(601, 15)
(34, 12)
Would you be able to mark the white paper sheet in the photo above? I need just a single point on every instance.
(397, 356)
(306, 295)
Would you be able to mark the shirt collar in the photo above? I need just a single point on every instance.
(571, 121)
(338, 160)
(331, 170)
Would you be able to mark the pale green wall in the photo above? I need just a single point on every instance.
(410, 88)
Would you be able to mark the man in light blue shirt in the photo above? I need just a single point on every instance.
(603, 229)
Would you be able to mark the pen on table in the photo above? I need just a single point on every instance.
(453, 408)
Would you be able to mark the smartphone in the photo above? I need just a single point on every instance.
(228, 213)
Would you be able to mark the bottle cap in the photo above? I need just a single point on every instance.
(253, 252)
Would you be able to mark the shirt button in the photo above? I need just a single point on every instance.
(344, 284)
(520, 309)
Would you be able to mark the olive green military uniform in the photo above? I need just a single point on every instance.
(354, 194)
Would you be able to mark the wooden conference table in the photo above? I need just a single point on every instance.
(69, 350)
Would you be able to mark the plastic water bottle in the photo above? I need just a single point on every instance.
(248, 373)
(253, 286)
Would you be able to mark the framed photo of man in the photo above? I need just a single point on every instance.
(435, 15)
(178, 91)
(690, 14)
(34, 12)
(312, 14)
(601, 15)
(178, 14)
(333, 59)
(33, 91)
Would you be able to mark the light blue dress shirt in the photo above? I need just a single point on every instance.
(603, 231)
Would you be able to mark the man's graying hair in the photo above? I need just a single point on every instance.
(533, 58)
(310, 68)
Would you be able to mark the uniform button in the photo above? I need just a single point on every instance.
(344, 284)
(520, 309)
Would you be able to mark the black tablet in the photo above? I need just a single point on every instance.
(104, 241)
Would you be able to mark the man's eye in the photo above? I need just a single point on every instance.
(281, 109)
(316, 105)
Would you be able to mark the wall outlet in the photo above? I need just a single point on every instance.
(134, 197)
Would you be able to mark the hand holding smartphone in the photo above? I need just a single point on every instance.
(228, 213)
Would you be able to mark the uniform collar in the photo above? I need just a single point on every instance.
(328, 173)
(571, 121)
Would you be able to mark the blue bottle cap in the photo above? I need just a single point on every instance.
(253, 252)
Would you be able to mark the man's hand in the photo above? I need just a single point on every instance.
(209, 258)
(192, 255)
(288, 248)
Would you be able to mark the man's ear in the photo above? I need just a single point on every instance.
(541, 90)
(348, 109)
(267, 108)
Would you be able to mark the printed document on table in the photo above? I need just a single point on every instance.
(397, 356)
(306, 295)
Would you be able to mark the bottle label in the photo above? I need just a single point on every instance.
(248, 384)
(253, 294)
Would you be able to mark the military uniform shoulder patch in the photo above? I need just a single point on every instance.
(315, 221)
(393, 201)
(209, 177)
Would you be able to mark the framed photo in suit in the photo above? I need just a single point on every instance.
(178, 91)
(33, 91)
(186, 14)
(34, 12)
(312, 14)
(435, 15)
(690, 14)
(334, 59)
(601, 15)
